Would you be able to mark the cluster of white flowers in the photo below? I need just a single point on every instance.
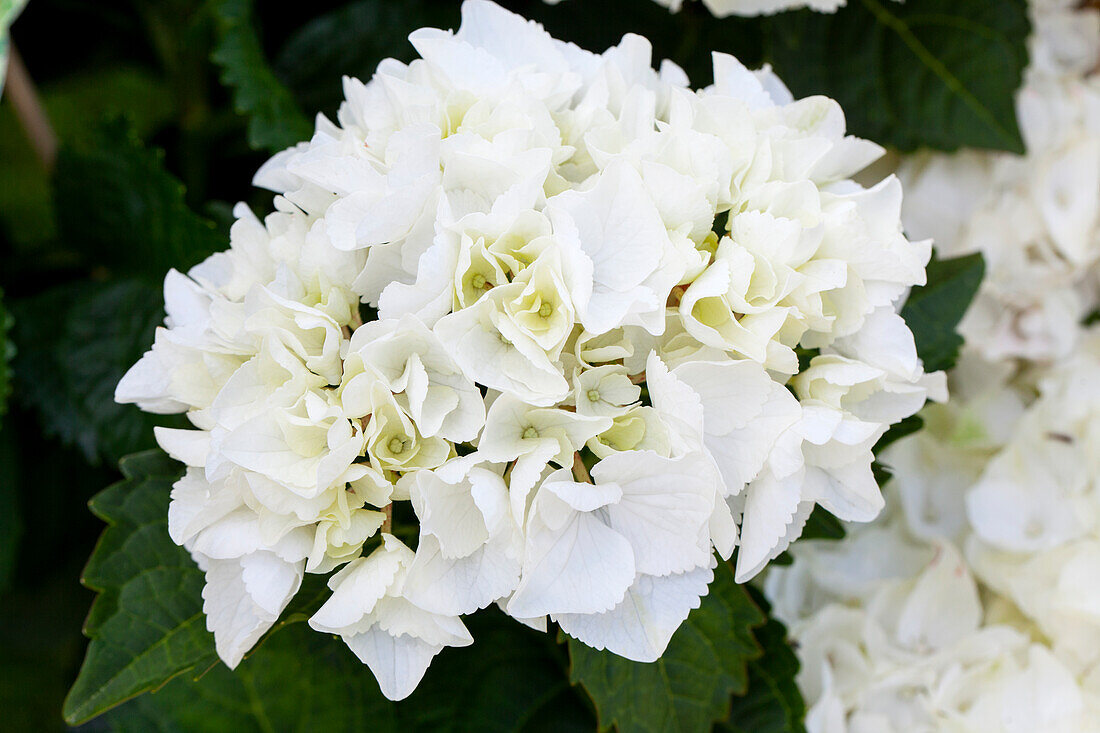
(973, 604)
(1035, 218)
(615, 324)
(894, 636)
(969, 605)
(897, 629)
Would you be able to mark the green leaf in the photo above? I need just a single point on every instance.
(9, 11)
(821, 525)
(146, 625)
(274, 120)
(147, 629)
(75, 343)
(689, 687)
(773, 702)
(350, 41)
(116, 203)
(933, 311)
(936, 73)
(511, 678)
(514, 679)
(298, 680)
(899, 430)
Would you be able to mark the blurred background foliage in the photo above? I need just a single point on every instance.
(162, 111)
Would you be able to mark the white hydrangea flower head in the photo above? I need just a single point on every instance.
(892, 635)
(554, 319)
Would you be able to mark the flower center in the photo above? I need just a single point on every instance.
(396, 446)
(593, 395)
(530, 433)
(479, 282)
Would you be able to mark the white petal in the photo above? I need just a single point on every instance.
(189, 447)
(583, 567)
(459, 586)
(770, 505)
(236, 618)
(665, 508)
(398, 663)
(355, 591)
(448, 512)
(640, 627)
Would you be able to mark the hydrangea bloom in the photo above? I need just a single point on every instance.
(1035, 218)
(880, 650)
(723, 8)
(612, 324)
(896, 629)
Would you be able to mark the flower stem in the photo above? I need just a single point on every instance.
(28, 108)
(387, 523)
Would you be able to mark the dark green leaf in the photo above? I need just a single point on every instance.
(773, 702)
(511, 679)
(146, 625)
(689, 687)
(75, 343)
(822, 525)
(274, 120)
(899, 430)
(933, 311)
(298, 680)
(350, 41)
(118, 205)
(147, 628)
(936, 73)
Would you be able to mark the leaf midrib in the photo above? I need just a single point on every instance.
(940, 70)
